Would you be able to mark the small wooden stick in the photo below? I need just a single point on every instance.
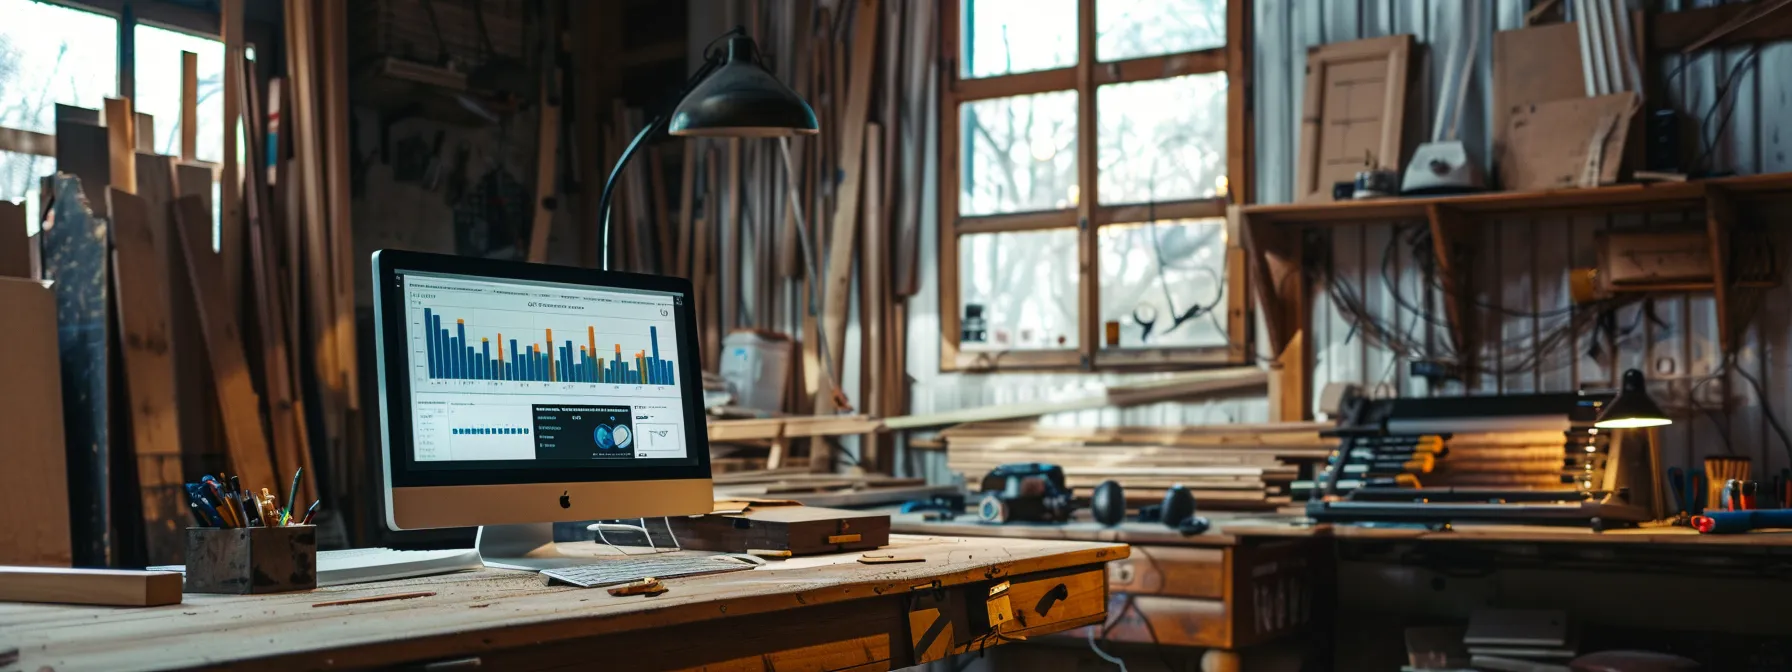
(647, 586)
(375, 598)
(888, 560)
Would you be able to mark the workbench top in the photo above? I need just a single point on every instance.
(828, 609)
(1232, 529)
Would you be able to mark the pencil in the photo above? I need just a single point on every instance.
(291, 494)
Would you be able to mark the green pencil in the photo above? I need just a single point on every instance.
(290, 495)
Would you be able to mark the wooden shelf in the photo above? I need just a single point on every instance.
(1616, 198)
(1281, 283)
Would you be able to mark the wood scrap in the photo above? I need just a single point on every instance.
(121, 144)
(376, 598)
(15, 246)
(649, 586)
(189, 106)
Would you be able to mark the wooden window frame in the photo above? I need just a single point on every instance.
(1089, 215)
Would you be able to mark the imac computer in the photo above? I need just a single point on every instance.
(514, 396)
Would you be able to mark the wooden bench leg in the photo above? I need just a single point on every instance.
(1221, 660)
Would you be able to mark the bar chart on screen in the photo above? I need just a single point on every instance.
(511, 346)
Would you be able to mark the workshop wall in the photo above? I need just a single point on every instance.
(1522, 272)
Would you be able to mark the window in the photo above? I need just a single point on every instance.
(158, 89)
(1091, 148)
(48, 55)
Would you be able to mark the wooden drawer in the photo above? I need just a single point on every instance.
(953, 621)
(1177, 571)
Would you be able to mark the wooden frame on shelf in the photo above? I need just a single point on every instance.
(1281, 283)
(1090, 213)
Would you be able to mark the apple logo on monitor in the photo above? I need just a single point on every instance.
(565, 500)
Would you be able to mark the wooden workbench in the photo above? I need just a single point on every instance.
(1247, 581)
(823, 612)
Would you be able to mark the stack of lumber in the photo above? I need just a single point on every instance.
(1244, 467)
(833, 490)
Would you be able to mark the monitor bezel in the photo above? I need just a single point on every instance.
(394, 371)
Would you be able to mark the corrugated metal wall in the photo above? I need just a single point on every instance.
(1522, 275)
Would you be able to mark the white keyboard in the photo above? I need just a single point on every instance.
(360, 565)
(614, 570)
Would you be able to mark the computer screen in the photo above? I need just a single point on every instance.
(529, 374)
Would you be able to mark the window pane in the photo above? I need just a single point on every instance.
(1162, 140)
(1157, 272)
(50, 55)
(20, 175)
(158, 89)
(1019, 154)
(1017, 291)
(1135, 28)
(1008, 36)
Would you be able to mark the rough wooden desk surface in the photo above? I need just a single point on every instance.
(493, 610)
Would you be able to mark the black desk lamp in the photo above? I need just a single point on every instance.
(1632, 407)
(731, 96)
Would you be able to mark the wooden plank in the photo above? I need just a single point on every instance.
(189, 106)
(224, 345)
(230, 177)
(843, 234)
(34, 486)
(27, 142)
(688, 240)
(121, 144)
(140, 267)
(312, 222)
(550, 621)
(197, 420)
(1191, 385)
(547, 151)
(286, 421)
(793, 426)
(1088, 154)
(946, 250)
(666, 242)
(109, 587)
(874, 291)
(1675, 31)
(75, 258)
(15, 246)
(334, 83)
(1162, 66)
(729, 282)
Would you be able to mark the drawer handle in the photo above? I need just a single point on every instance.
(1051, 598)
(843, 539)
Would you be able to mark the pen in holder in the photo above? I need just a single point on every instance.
(251, 560)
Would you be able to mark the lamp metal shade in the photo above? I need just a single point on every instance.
(740, 99)
(1633, 407)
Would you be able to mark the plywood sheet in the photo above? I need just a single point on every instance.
(1548, 143)
(34, 485)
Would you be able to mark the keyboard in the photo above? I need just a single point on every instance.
(360, 565)
(610, 572)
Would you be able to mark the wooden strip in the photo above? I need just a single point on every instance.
(15, 246)
(730, 280)
(312, 218)
(121, 144)
(237, 399)
(951, 329)
(873, 290)
(140, 265)
(230, 212)
(109, 587)
(1157, 212)
(189, 106)
(27, 142)
(336, 106)
(547, 147)
(1087, 171)
(843, 243)
(1020, 84)
(687, 190)
(666, 240)
(1162, 66)
(377, 598)
(1016, 221)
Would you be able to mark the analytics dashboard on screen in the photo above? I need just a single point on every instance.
(522, 373)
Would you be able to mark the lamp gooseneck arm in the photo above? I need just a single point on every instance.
(603, 202)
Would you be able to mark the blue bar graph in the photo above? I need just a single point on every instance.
(452, 355)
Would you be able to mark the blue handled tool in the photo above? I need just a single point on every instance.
(1736, 522)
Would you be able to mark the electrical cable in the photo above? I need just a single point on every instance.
(1766, 407)
(1090, 633)
(1708, 141)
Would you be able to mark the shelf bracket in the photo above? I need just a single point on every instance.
(1279, 280)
